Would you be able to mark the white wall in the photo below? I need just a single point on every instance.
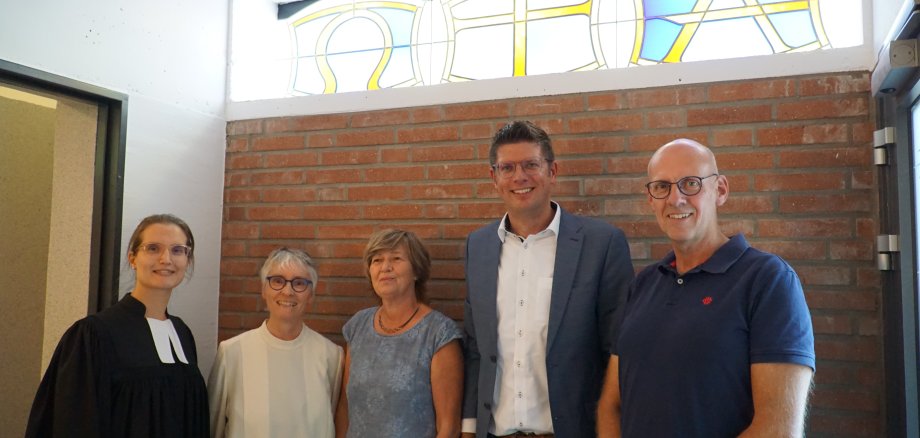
(169, 56)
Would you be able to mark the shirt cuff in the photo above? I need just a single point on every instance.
(468, 425)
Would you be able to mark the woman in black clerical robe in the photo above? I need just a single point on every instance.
(132, 369)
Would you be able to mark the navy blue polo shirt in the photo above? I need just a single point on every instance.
(687, 342)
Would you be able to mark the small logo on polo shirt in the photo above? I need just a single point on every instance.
(707, 301)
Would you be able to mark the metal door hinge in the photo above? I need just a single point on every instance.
(888, 244)
(881, 139)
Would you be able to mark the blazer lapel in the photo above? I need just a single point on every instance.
(568, 252)
(485, 288)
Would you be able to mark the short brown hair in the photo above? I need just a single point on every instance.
(521, 131)
(389, 239)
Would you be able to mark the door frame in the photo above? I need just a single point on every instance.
(109, 174)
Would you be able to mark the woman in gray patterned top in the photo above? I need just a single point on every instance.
(403, 365)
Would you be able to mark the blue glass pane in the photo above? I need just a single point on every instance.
(657, 8)
(659, 37)
(355, 35)
(400, 23)
(795, 28)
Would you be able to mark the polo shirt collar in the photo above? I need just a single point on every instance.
(553, 225)
(721, 260)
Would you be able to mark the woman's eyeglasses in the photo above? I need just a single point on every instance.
(298, 284)
(156, 249)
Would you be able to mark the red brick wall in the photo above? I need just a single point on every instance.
(797, 152)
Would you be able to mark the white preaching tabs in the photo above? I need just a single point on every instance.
(164, 334)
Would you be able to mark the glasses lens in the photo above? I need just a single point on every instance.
(505, 169)
(300, 284)
(659, 189)
(276, 282)
(532, 166)
(152, 248)
(178, 251)
(690, 185)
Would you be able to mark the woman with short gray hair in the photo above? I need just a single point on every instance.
(288, 374)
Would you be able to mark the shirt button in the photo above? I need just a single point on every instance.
(520, 395)
(680, 281)
(521, 303)
(519, 364)
(523, 272)
(520, 333)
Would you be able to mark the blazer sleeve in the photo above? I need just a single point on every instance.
(470, 349)
(614, 287)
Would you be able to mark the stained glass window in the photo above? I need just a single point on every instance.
(351, 45)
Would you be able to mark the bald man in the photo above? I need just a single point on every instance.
(717, 339)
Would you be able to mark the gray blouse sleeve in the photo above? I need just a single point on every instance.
(446, 331)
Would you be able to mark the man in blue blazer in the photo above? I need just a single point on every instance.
(543, 286)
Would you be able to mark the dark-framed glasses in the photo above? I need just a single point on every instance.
(298, 284)
(156, 249)
(688, 185)
(505, 169)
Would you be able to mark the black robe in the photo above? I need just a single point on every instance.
(106, 380)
